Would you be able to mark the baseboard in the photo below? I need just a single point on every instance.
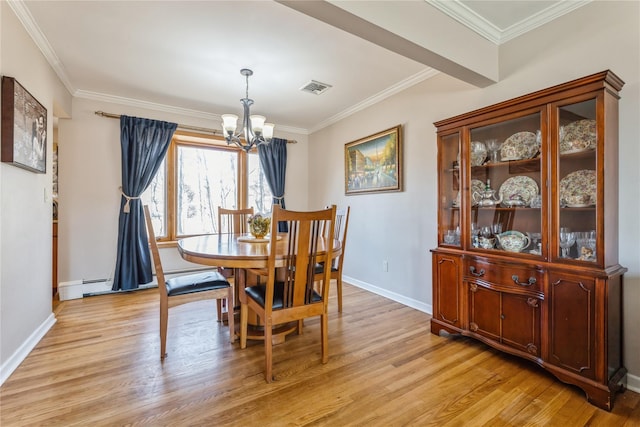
(75, 289)
(23, 351)
(633, 383)
(418, 305)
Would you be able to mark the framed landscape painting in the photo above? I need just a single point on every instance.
(374, 163)
(24, 128)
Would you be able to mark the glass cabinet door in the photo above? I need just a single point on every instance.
(449, 183)
(577, 194)
(505, 197)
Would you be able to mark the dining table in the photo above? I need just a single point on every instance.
(243, 253)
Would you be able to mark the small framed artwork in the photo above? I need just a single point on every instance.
(24, 128)
(374, 163)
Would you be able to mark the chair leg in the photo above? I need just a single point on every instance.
(164, 318)
(268, 351)
(324, 332)
(244, 318)
(219, 306)
(230, 316)
(339, 286)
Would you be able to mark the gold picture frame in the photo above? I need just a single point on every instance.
(374, 163)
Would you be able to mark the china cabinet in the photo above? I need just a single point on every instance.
(527, 256)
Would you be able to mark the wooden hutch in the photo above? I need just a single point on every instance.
(527, 256)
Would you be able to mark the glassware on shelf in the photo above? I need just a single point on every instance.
(493, 145)
(475, 232)
(567, 240)
(535, 243)
(586, 243)
(450, 237)
(496, 228)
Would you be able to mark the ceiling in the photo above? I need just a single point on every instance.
(186, 56)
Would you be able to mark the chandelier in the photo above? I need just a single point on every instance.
(254, 130)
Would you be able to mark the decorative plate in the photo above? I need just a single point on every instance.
(578, 183)
(521, 145)
(476, 186)
(519, 187)
(478, 153)
(578, 136)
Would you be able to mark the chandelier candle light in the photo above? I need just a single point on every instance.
(255, 130)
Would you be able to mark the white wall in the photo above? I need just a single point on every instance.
(26, 206)
(89, 180)
(401, 227)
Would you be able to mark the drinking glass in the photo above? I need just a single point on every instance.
(485, 231)
(591, 243)
(494, 149)
(496, 228)
(567, 240)
(450, 237)
(475, 231)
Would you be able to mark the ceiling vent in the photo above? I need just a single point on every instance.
(315, 87)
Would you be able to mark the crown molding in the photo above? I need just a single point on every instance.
(29, 24)
(392, 90)
(463, 14)
(536, 20)
(131, 102)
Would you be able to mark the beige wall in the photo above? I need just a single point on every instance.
(89, 180)
(26, 208)
(401, 227)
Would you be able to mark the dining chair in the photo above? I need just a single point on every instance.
(340, 234)
(234, 220)
(292, 297)
(185, 289)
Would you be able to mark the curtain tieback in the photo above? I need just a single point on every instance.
(279, 198)
(126, 208)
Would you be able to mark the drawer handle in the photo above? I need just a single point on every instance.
(516, 280)
(480, 273)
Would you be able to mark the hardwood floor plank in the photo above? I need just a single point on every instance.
(99, 366)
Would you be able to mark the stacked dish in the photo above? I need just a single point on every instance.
(477, 186)
(519, 146)
(578, 183)
(578, 136)
(518, 191)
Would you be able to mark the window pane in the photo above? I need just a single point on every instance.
(156, 197)
(206, 178)
(259, 193)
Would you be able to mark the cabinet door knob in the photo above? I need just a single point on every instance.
(473, 271)
(516, 280)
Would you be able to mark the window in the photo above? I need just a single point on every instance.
(199, 174)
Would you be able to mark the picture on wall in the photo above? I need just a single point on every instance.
(24, 128)
(374, 163)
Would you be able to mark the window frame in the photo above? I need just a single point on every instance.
(190, 139)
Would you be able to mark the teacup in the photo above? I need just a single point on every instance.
(577, 199)
(486, 242)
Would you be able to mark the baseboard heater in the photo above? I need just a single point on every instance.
(76, 289)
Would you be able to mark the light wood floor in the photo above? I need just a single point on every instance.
(99, 366)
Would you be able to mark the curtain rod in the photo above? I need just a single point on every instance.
(183, 127)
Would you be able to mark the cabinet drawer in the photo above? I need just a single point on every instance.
(504, 274)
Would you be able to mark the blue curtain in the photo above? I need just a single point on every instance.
(273, 159)
(144, 144)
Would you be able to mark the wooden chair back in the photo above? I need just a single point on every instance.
(186, 288)
(233, 221)
(290, 295)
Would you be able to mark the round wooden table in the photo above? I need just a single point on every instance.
(234, 251)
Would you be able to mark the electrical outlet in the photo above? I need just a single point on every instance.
(385, 266)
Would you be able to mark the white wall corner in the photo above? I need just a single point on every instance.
(23, 351)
